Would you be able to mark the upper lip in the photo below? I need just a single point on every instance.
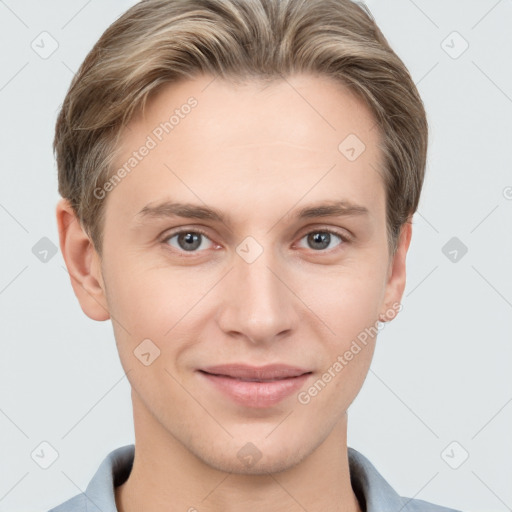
(244, 371)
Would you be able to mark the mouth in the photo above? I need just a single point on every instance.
(247, 379)
(256, 387)
(246, 373)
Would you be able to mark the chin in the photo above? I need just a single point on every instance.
(248, 459)
(267, 464)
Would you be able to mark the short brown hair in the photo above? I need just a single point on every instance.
(157, 42)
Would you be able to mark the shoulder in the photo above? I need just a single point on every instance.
(412, 505)
(100, 495)
(376, 495)
(75, 504)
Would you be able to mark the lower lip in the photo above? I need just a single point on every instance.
(256, 394)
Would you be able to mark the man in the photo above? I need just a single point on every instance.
(238, 182)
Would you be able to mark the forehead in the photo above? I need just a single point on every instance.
(299, 135)
(301, 110)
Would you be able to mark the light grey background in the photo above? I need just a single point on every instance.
(441, 371)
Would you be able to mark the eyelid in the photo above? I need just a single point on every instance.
(345, 235)
(178, 231)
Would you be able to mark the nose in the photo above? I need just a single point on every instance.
(256, 302)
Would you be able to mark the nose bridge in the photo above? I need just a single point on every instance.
(258, 304)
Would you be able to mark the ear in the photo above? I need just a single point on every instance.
(396, 275)
(83, 263)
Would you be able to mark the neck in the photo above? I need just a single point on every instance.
(167, 476)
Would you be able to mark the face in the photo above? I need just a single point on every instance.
(279, 257)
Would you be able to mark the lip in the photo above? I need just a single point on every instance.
(256, 387)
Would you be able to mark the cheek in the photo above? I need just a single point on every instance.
(347, 303)
(347, 358)
(347, 299)
(155, 303)
(354, 322)
(147, 296)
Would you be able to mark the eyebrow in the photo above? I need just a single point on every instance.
(167, 209)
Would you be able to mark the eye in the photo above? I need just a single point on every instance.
(320, 240)
(194, 240)
(187, 240)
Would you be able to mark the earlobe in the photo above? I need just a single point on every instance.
(397, 276)
(82, 262)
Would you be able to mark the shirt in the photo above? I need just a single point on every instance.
(372, 491)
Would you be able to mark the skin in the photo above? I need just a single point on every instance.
(258, 155)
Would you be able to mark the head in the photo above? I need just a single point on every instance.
(256, 116)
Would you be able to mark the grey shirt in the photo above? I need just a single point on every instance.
(372, 491)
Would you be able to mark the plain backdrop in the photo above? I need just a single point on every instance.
(435, 409)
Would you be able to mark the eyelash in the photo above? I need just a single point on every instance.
(344, 238)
